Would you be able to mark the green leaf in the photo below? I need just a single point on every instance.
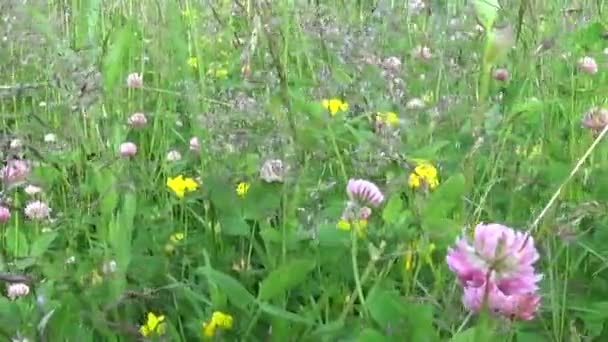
(285, 277)
(330, 236)
(371, 335)
(234, 225)
(114, 59)
(393, 209)
(387, 308)
(465, 336)
(16, 242)
(445, 198)
(281, 313)
(42, 244)
(420, 323)
(238, 295)
(486, 12)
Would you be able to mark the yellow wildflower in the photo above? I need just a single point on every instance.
(424, 174)
(153, 325)
(177, 237)
(218, 72)
(218, 320)
(360, 226)
(408, 258)
(193, 62)
(242, 188)
(335, 105)
(388, 118)
(181, 185)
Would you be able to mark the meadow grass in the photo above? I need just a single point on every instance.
(257, 251)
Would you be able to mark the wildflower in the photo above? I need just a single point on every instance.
(109, 267)
(154, 325)
(15, 171)
(193, 62)
(195, 144)
(364, 191)
(218, 72)
(392, 63)
(32, 190)
(135, 80)
(174, 239)
(16, 290)
(415, 103)
(408, 258)
(335, 105)
(137, 120)
(498, 262)
(272, 171)
(587, 65)
(50, 138)
(181, 185)
(360, 225)
(242, 188)
(128, 149)
(422, 52)
(15, 144)
(218, 320)
(515, 306)
(5, 214)
(501, 74)
(37, 210)
(174, 155)
(424, 174)
(595, 119)
(390, 119)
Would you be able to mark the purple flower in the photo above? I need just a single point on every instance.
(364, 192)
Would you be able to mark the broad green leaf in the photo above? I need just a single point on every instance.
(387, 308)
(42, 244)
(232, 224)
(329, 235)
(420, 323)
(238, 295)
(370, 335)
(16, 242)
(285, 277)
(467, 335)
(121, 41)
(284, 314)
(445, 198)
(486, 12)
(393, 209)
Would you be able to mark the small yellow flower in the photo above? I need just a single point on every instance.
(360, 226)
(218, 72)
(335, 105)
(193, 62)
(424, 174)
(388, 118)
(242, 188)
(153, 325)
(408, 258)
(181, 185)
(218, 320)
(177, 237)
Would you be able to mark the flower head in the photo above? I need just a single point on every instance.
(135, 80)
(193, 62)
(424, 174)
(173, 156)
(154, 325)
(218, 320)
(595, 119)
(242, 188)
(138, 120)
(360, 225)
(272, 171)
(195, 144)
(32, 190)
(128, 149)
(364, 191)
(335, 105)
(588, 65)
(390, 119)
(498, 262)
(181, 185)
(15, 171)
(500, 74)
(16, 290)
(5, 214)
(37, 210)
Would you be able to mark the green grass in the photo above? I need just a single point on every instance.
(274, 259)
